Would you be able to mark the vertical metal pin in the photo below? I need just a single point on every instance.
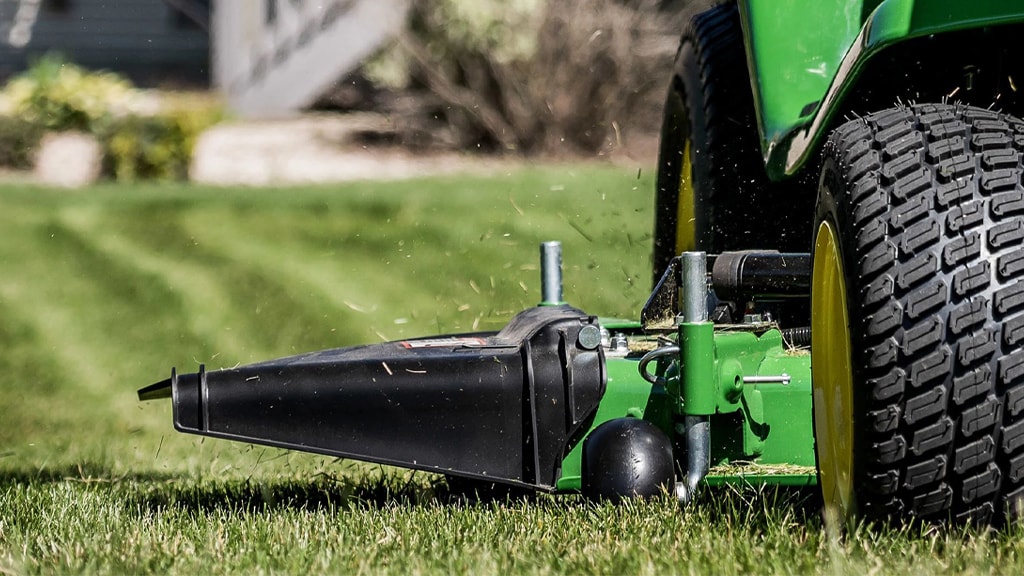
(693, 286)
(551, 273)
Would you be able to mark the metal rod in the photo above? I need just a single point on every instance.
(551, 273)
(663, 352)
(783, 379)
(697, 436)
(698, 442)
(693, 297)
(693, 309)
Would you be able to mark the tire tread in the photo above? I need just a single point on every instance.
(929, 203)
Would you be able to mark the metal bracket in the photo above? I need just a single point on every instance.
(783, 379)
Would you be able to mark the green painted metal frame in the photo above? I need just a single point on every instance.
(627, 395)
(806, 55)
(760, 433)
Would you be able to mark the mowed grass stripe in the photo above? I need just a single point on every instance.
(203, 311)
(366, 297)
(30, 382)
(249, 312)
(83, 310)
(346, 288)
(76, 298)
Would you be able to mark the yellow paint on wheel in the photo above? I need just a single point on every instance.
(831, 377)
(686, 229)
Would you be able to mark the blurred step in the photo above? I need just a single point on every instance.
(276, 57)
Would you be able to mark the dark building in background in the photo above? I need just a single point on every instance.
(153, 42)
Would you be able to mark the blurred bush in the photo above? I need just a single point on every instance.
(145, 148)
(156, 147)
(533, 75)
(19, 139)
(58, 95)
(143, 137)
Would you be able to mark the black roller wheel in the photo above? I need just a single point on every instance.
(918, 317)
(626, 457)
(713, 193)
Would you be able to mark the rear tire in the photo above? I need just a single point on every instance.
(713, 193)
(920, 224)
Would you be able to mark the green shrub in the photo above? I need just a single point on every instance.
(19, 140)
(157, 147)
(54, 94)
(59, 95)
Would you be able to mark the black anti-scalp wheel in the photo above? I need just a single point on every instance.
(627, 457)
(918, 316)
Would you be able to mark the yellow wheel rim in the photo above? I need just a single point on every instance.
(831, 377)
(686, 230)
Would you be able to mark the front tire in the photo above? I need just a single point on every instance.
(918, 317)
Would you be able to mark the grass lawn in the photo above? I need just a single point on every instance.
(103, 290)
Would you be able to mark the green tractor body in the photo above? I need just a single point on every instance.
(807, 58)
(839, 295)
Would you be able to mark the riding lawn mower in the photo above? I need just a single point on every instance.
(838, 296)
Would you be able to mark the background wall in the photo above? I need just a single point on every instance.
(151, 41)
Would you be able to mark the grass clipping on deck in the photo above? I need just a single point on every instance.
(743, 468)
